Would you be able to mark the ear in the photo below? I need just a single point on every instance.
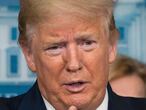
(113, 45)
(29, 58)
(112, 52)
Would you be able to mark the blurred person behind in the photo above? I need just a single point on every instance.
(128, 77)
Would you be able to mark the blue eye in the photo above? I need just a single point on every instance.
(88, 42)
(88, 45)
(55, 49)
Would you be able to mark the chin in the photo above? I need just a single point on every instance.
(81, 101)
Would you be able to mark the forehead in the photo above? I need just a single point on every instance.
(72, 27)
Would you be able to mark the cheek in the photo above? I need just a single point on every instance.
(49, 76)
(96, 62)
(49, 64)
(48, 69)
(97, 66)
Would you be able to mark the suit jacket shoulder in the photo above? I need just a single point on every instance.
(31, 100)
(117, 102)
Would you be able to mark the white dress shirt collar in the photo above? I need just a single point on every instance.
(103, 105)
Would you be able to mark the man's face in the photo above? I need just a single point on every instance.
(71, 62)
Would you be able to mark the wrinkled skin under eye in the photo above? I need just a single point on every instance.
(88, 45)
(57, 48)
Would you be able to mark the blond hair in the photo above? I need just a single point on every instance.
(33, 12)
(124, 65)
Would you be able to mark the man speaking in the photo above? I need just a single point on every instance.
(69, 44)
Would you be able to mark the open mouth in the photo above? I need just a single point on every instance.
(75, 83)
(75, 87)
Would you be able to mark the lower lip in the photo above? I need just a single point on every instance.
(75, 88)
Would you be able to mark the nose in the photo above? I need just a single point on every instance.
(73, 59)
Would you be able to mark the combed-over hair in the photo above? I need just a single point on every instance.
(33, 12)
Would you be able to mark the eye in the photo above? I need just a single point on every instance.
(55, 49)
(88, 42)
(88, 45)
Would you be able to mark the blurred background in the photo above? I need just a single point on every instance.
(15, 77)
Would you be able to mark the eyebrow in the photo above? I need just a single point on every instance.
(54, 42)
(86, 37)
(56, 39)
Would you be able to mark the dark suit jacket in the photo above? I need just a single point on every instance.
(32, 100)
